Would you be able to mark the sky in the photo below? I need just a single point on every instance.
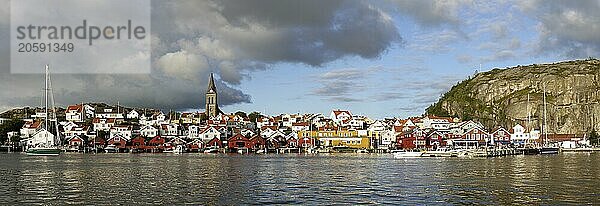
(381, 58)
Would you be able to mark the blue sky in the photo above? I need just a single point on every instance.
(383, 58)
(410, 75)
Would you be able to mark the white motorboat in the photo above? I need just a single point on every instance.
(407, 154)
(445, 152)
(111, 149)
(211, 150)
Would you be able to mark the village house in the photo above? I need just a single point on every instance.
(238, 141)
(171, 130)
(30, 128)
(148, 131)
(74, 113)
(520, 135)
(441, 124)
(501, 136)
(109, 113)
(133, 114)
(75, 142)
(209, 133)
(118, 141)
(124, 131)
(103, 124)
(340, 116)
(41, 137)
(74, 129)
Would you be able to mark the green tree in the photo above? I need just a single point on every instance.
(241, 114)
(253, 116)
(13, 125)
(594, 137)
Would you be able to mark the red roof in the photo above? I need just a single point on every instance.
(77, 107)
(338, 112)
(300, 124)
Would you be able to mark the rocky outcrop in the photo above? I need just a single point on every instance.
(500, 97)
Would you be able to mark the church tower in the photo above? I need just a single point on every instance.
(212, 108)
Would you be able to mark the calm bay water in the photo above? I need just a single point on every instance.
(161, 179)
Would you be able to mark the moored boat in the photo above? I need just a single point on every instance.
(407, 154)
(49, 145)
(211, 150)
(549, 150)
(43, 151)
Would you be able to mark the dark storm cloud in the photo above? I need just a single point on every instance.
(191, 39)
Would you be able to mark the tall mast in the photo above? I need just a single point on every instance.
(545, 126)
(57, 137)
(46, 100)
(528, 114)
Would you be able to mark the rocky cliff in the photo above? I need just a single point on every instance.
(500, 97)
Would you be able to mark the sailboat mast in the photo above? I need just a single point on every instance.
(57, 137)
(545, 123)
(46, 100)
(528, 114)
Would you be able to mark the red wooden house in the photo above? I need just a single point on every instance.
(215, 142)
(239, 141)
(501, 135)
(138, 143)
(257, 142)
(306, 142)
(196, 145)
(476, 134)
(98, 141)
(411, 139)
(157, 142)
(435, 139)
(118, 141)
(76, 141)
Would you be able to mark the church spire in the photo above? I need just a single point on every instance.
(211, 84)
(212, 106)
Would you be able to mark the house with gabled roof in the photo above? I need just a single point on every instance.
(103, 124)
(30, 127)
(257, 142)
(209, 133)
(148, 131)
(133, 114)
(340, 115)
(239, 141)
(125, 131)
(500, 135)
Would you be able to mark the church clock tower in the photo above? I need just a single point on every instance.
(212, 108)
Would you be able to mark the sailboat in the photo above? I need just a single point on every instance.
(546, 147)
(48, 147)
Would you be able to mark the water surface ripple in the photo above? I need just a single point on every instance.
(163, 179)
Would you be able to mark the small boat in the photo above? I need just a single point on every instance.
(111, 149)
(442, 152)
(260, 151)
(407, 154)
(549, 150)
(43, 151)
(211, 150)
(178, 150)
(362, 151)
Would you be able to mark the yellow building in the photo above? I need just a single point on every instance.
(342, 138)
